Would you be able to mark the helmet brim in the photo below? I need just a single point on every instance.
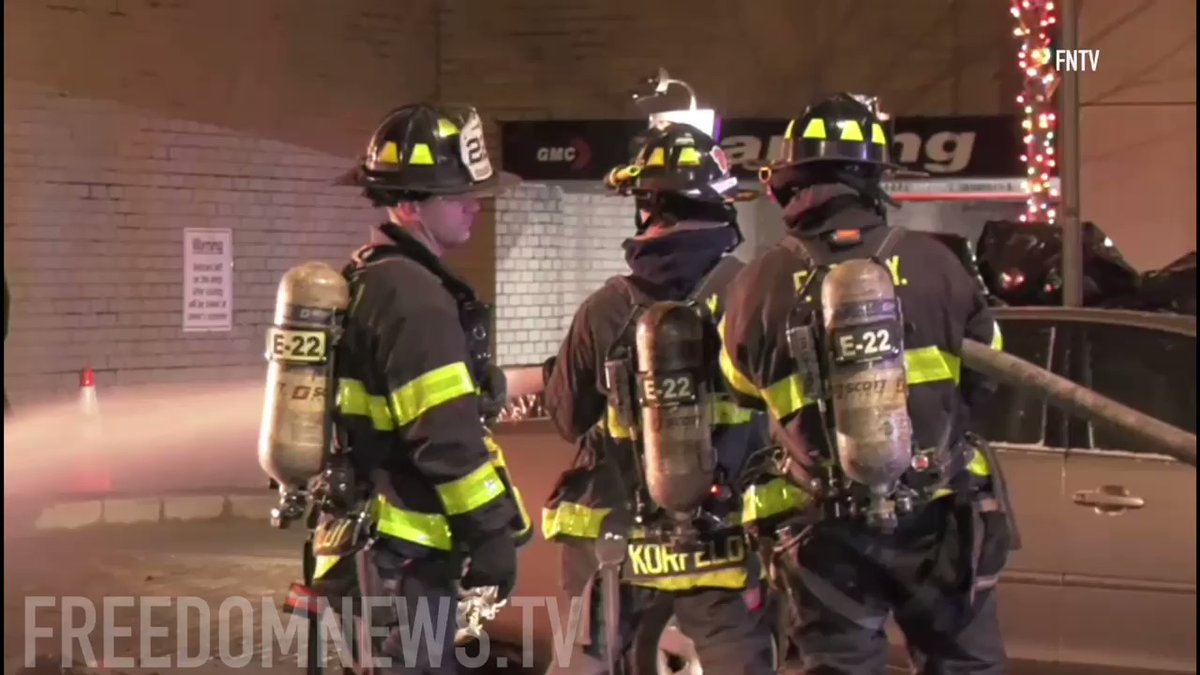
(498, 182)
(886, 166)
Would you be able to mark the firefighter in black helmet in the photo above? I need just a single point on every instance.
(416, 391)
(685, 231)
(926, 548)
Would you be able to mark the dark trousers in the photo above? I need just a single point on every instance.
(412, 602)
(934, 576)
(730, 636)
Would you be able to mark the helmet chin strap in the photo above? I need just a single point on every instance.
(410, 220)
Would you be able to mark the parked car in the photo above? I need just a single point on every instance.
(1105, 581)
(1107, 572)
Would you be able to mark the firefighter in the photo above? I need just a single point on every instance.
(685, 230)
(934, 565)
(415, 386)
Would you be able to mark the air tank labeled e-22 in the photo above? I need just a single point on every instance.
(297, 420)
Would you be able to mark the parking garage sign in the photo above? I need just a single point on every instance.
(207, 280)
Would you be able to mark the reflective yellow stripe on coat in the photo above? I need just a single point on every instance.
(924, 365)
(403, 407)
(759, 502)
(723, 413)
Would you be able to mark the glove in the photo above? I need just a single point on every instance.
(493, 562)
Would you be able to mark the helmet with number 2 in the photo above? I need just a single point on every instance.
(423, 150)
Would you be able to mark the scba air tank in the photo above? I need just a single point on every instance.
(296, 423)
(865, 332)
(674, 345)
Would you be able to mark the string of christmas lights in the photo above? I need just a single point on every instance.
(1036, 22)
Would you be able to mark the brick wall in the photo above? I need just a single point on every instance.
(269, 97)
(554, 248)
(96, 198)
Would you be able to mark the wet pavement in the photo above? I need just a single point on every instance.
(202, 597)
(191, 570)
(188, 586)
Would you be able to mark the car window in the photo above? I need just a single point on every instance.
(1148, 370)
(1016, 416)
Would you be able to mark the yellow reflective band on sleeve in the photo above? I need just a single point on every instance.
(471, 491)
(997, 338)
(324, 563)
(771, 499)
(728, 412)
(501, 464)
(786, 397)
(573, 520)
(736, 379)
(426, 529)
(353, 399)
(978, 466)
(429, 391)
(930, 364)
(735, 578)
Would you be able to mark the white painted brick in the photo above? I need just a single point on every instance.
(556, 259)
(132, 191)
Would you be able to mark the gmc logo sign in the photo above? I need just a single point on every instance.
(578, 155)
(556, 154)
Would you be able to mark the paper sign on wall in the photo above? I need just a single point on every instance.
(207, 280)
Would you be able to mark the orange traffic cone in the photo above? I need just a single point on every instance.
(87, 394)
(93, 475)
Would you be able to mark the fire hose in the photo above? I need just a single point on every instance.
(1078, 400)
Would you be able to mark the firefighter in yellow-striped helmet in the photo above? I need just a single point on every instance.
(679, 172)
(422, 150)
(426, 492)
(842, 139)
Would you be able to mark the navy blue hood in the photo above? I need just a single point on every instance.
(676, 262)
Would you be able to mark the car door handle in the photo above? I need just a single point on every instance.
(1109, 499)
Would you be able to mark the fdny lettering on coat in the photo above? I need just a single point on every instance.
(893, 264)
